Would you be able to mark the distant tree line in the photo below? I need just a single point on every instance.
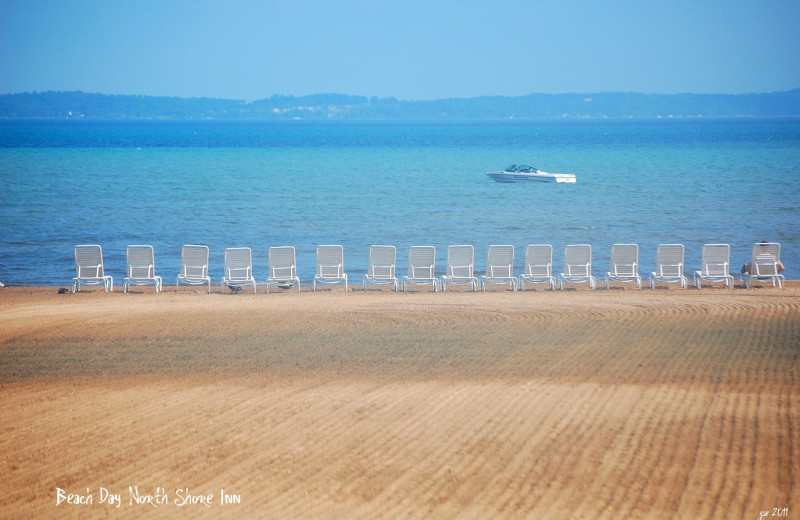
(62, 105)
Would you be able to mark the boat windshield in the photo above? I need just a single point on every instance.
(522, 168)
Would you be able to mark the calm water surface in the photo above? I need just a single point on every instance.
(301, 183)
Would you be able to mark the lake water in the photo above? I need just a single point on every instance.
(262, 184)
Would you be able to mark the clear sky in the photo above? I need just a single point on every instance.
(409, 49)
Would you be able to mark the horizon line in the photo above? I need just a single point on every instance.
(368, 97)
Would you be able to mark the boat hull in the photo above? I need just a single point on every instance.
(509, 177)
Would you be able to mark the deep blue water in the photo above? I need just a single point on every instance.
(261, 184)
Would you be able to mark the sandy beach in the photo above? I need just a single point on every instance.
(577, 404)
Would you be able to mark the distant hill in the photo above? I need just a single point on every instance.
(61, 105)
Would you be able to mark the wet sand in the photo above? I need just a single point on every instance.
(576, 404)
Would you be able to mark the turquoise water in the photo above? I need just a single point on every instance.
(303, 183)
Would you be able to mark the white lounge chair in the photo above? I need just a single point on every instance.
(715, 265)
(89, 268)
(669, 265)
(141, 268)
(500, 267)
(624, 265)
(382, 267)
(194, 266)
(282, 268)
(765, 264)
(421, 267)
(538, 266)
(330, 266)
(238, 269)
(460, 267)
(577, 266)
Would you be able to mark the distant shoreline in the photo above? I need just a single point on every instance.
(573, 106)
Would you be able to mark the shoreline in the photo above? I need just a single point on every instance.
(356, 287)
(601, 404)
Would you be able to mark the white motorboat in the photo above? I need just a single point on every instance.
(524, 173)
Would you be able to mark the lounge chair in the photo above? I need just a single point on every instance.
(669, 265)
(141, 268)
(194, 266)
(381, 269)
(460, 267)
(238, 269)
(500, 267)
(282, 268)
(577, 266)
(624, 265)
(421, 267)
(715, 265)
(330, 266)
(765, 264)
(538, 266)
(89, 268)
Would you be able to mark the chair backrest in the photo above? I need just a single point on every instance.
(238, 263)
(282, 263)
(421, 262)
(765, 259)
(382, 262)
(669, 260)
(625, 260)
(330, 261)
(715, 259)
(578, 260)
(141, 262)
(460, 261)
(89, 261)
(194, 261)
(539, 260)
(500, 261)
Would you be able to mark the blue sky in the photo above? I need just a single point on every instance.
(407, 49)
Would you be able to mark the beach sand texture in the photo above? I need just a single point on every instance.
(574, 404)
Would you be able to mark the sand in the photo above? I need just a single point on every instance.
(577, 404)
